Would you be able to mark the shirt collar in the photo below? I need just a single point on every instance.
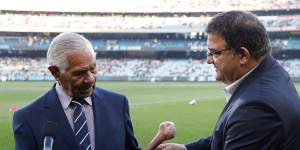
(229, 90)
(65, 99)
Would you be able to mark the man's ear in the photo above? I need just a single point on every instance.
(55, 72)
(245, 55)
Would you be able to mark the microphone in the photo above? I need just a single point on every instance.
(167, 131)
(50, 131)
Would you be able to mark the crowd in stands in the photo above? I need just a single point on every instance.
(152, 44)
(45, 22)
(127, 69)
(147, 16)
(12, 68)
(148, 5)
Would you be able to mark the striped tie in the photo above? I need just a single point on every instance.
(80, 127)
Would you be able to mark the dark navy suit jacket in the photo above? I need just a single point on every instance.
(262, 114)
(113, 128)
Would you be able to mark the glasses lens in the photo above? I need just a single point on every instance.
(210, 53)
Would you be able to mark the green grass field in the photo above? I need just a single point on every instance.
(150, 104)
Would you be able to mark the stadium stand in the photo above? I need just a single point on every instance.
(13, 68)
(93, 23)
(149, 6)
(157, 40)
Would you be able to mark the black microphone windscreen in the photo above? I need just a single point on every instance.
(50, 129)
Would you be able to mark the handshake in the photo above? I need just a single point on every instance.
(167, 131)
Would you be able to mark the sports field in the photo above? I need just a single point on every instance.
(150, 104)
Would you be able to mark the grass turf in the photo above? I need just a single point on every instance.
(150, 104)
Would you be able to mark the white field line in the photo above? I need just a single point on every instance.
(207, 98)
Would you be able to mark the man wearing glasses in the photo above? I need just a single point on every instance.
(263, 108)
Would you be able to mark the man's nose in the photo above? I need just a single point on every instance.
(209, 60)
(90, 78)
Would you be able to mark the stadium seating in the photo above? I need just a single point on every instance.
(148, 30)
(148, 6)
(134, 69)
(87, 23)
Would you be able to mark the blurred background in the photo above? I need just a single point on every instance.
(151, 50)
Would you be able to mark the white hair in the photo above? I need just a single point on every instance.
(65, 43)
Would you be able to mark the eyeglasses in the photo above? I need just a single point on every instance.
(215, 53)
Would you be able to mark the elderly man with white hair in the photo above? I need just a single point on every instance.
(74, 114)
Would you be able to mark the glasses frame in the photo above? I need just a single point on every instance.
(211, 53)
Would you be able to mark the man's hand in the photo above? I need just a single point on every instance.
(166, 131)
(171, 146)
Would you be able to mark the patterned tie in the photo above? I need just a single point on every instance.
(80, 126)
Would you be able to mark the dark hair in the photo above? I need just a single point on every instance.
(241, 29)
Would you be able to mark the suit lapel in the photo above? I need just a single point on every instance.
(55, 113)
(99, 116)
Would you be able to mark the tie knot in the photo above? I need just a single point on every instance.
(76, 103)
(79, 100)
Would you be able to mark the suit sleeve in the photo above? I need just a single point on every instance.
(22, 133)
(202, 144)
(253, 126)
(131, 142)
